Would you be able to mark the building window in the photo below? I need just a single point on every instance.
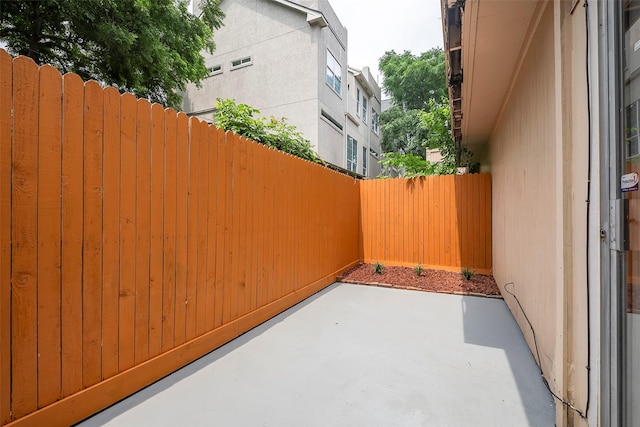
(352, 154)
(334, 73)
(364, 109)
(331, 120)
(374, 121)
(364, 161)
(242, 62)
(358, 101)
(216, 69)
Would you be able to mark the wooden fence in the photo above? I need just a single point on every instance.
(134, 240)
(441, 222)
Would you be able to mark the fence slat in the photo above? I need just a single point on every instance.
(72, 224)
(49, 235)
(111, 233)
(192, 229)
(143, 229)
(6, 123)
(241, 228)
(182, 188)
(203, 206)
(24, 376)
(92, 236)
(169, 233)
(156, 236)
(220, 227)
(128, 195)
(227, 314)
(210, 304)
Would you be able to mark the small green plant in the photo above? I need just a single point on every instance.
(378, 268)
(418, 270)
(467, 273)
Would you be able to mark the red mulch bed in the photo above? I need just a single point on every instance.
(429, 280)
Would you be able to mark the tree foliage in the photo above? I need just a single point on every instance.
(434, 133)
(148, 47)
(420, 116)
(413, 80)
(273, 132)
(403, 131)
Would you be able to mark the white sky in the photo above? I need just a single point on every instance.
(376, 26)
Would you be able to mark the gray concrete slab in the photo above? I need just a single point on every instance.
(357, 356)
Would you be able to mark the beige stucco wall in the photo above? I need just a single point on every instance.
(538, 152)
(525, 223)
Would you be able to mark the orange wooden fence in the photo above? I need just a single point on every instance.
(134, 240)
(441, 222)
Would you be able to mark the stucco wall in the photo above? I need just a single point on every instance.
(525, 222)
(538, 155)
(287, 75)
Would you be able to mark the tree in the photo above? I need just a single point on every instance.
(435, 132)
(412, 80)
(275, 133)
(148, 47)
(403, 131)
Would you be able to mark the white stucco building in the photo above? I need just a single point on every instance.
(363, 124)
(288, 59)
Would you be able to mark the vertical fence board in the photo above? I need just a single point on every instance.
(111, 233)
(448, 213)
(169, 233)
(156, 232)
(242, 230)
(235, 233)
(261, 230)
(6, 124)
(72, 224)
(192, 229)
(212, 152)
(92, 236)
(128, 221)
(488, 236)
(49, 235)
(203, 206)
(251, 228)
(227, 314)
(182, 187)
(220, 227)
(143, 229)
(24, 239)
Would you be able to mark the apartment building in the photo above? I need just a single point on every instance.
(288, 59)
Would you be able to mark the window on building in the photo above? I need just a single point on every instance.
(364, 161)
(216, 69)
(242, 62)
(352, 154)
(364, 109)
(358, 101)
(331, 120)
(334, 73)
(375, 118)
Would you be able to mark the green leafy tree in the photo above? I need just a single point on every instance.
(403, 131)
(435, 133)
(413, 80)
(419, 118)
(273, 132)
(148, 47)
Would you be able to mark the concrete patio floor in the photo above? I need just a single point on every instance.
(357, 356)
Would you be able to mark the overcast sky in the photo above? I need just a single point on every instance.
(376, 26)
